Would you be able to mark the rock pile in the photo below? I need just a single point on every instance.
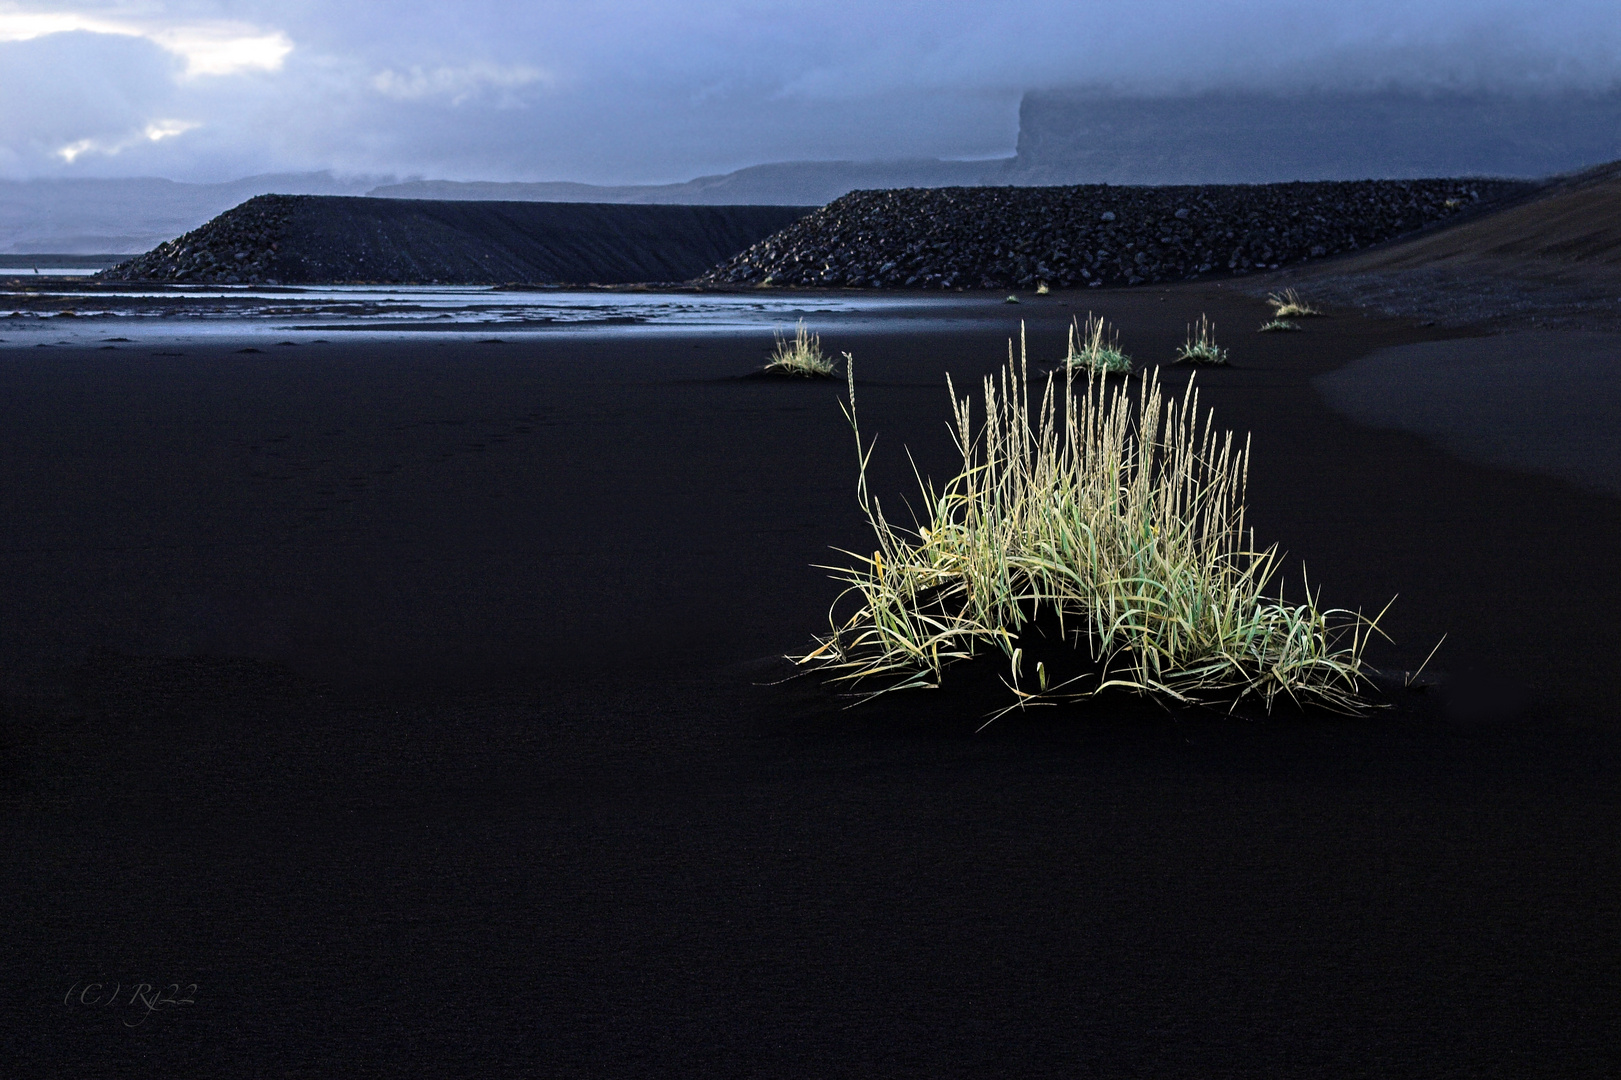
(238, 246)
(1013, 237)
(317, 239)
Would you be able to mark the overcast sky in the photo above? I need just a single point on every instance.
(632, 91)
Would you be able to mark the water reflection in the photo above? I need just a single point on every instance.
(449, 308)
(46, 270)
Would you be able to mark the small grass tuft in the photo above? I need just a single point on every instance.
(1042, 289)
(1288, 305)
(1201, 348)
(803, 356)
(1011, 300)
(1094, 349)
(1276, 325)
(1121, 523)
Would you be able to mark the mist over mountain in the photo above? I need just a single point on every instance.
(128, 216)
(788, 183)
(1073, 136)
(1084, 136)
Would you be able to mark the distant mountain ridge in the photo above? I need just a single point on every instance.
(1065, 137)
(788, 183)
(128, 216)
(1079, 136)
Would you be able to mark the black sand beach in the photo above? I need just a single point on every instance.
(412, 709)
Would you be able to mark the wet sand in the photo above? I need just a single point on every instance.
(1536, 401)
(415, 702)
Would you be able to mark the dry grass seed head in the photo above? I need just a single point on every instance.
(1125, 521)
(1288, 304)
(1201, 347)
(1095, 348)
(803, 356)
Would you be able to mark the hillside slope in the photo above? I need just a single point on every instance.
(1553, 259)
(1575, 222)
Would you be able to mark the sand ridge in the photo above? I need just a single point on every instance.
(292, 239)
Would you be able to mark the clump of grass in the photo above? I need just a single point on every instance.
(1201, 348)
(803, 356)
(1042, 289)
(1276, 325)
(1123, 523)
(1288, 305)
(1011, 300)
(1095, 349)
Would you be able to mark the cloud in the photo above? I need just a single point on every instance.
(208, 48)
(82, 88)
(225, 49)
(156, 131)
(159, 130)
(457, 84)
(645, 90)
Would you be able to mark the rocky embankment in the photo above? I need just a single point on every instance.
(1011, 237)
(238, 246)
(313, 239)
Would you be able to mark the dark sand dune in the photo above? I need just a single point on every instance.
(1550, 259)
(410, 705)
(1545, 401)
(321, 239)
(1574, 222)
